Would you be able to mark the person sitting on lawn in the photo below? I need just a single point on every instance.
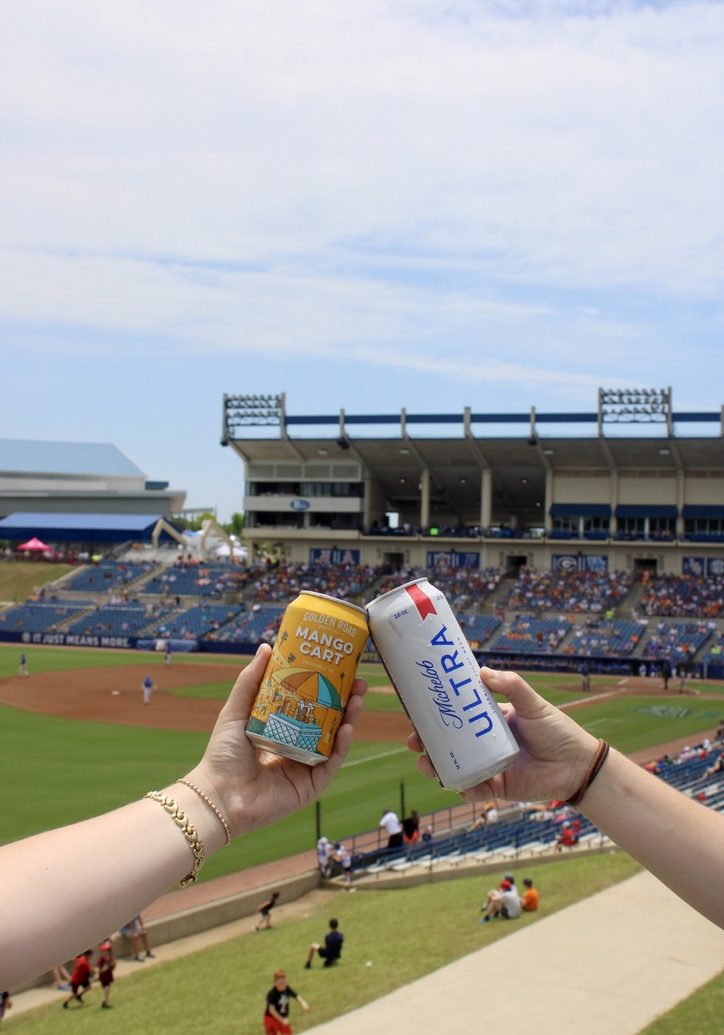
(503, 902)
(332, 948)
(530, 898)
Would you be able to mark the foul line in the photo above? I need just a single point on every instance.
(373, 758)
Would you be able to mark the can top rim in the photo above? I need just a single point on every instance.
(412, 582)
(326, 596)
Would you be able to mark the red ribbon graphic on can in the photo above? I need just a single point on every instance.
(421, 601)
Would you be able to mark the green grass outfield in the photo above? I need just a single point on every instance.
(63, 770)
(80, 769)
(222, 988)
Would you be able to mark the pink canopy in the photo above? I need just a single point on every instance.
(33, 545)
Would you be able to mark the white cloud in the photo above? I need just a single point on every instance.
(309, 177)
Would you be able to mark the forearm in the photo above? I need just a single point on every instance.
(90, 878)
(679, 840)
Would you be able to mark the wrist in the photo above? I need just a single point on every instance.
(581, 757)
(596, 764)
(208, 827)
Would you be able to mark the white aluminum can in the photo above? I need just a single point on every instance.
(437, 678)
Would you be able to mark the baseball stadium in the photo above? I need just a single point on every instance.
(584, 550)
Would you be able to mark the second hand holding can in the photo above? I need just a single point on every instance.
(437, 678)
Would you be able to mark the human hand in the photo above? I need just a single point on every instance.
(555, 752)
(252, 787)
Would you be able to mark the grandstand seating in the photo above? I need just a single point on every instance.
(528, 635)
(104, 576)
(601, 638)
(684, 595)
(38, 617)
(195, 622)
(465, 588)
(121, 620)
(250, 626)
(267, 588)
(677, 641)
(205, 580)
(518, 835)
(715, 652)
(478, 628)
(285, 581)
(568, 591)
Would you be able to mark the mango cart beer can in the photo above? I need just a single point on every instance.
(437, 678)
(305, 687)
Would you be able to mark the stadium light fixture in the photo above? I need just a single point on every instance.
(634, 406)
(242, 411)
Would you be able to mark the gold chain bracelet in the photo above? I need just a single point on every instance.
(187, 829)
(212, 805)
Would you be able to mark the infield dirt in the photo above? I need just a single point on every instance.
(115, 695)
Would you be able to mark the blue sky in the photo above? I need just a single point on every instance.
(362, 204)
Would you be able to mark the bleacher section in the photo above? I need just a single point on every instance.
(107, 575)
(197, 580)
(684, 595)
(283, 582)
(570, 592)
(37, 618)
(465, 588)
(677, 641)
(195, 622)
(478, 628)
(528, 635)
(121, 620)
(715, 653)
(143, 600)
(616, 637)
(251, 626)
(520, 834)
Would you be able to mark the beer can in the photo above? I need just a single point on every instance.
(437, 678)
(306, 684)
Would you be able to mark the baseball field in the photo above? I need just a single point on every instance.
(77, 740)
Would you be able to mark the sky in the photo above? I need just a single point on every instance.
(363, 204)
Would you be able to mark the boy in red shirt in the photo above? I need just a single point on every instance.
(106, 966)
(80, 978)
(276, 1015)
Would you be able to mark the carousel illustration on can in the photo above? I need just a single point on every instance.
(305, 687)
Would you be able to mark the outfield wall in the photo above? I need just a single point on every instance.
(622, 666)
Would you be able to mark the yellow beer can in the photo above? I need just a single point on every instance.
(305, 687)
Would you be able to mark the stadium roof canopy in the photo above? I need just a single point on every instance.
(79, 528)
(455, 448)
(86, 458)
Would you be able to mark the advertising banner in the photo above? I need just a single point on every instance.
(334, 556)
(569, 562)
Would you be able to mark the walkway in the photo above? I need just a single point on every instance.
(606, 966)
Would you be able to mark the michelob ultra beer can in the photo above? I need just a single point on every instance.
(437, 678)
(305, 687)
